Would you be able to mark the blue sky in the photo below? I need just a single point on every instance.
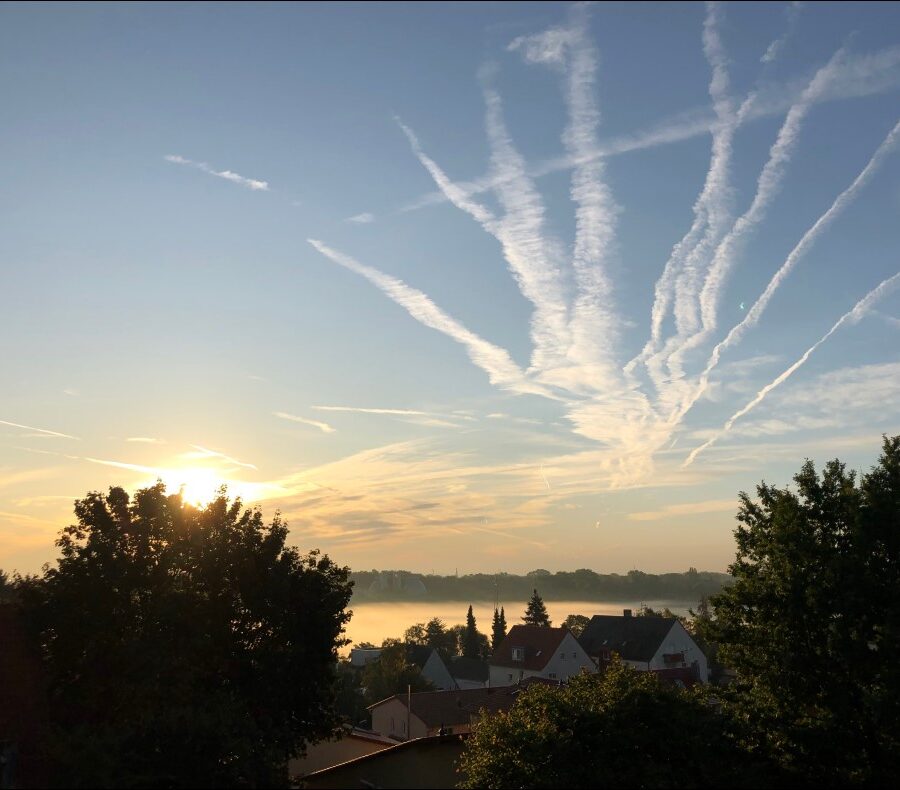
(482, 286)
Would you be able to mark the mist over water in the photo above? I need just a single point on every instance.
(374, 622)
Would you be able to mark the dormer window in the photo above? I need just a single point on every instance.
(518, 654)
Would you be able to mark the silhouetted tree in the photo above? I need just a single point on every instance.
(185, 647)
(498, 628)
(576, 623)
(471, 644)
(536, 613)
(391, 674)
(812, 622)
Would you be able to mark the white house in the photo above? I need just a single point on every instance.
(652, 644)
(536, 651)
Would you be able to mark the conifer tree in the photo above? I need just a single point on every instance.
(536, 613)
(498, 628)
(471, 645)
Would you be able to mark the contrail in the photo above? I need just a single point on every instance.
(755, 312)
(495, 361)
(38, 430)
(854, 315)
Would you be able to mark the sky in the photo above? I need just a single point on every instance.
(455, 287)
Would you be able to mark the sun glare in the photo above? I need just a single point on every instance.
(198, 485)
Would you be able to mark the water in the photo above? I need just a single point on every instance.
(373, 622)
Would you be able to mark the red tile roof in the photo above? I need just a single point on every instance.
(539, 642)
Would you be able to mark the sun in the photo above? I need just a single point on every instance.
(198, 485)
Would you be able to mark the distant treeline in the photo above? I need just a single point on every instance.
(582, 584)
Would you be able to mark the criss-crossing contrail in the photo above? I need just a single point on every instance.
(851, 316)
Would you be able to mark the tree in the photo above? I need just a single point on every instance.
(185, 646)
(416, 635)
(622, 728)
(536, 613)
(812, 622)
(498, 628)
(440, 638)
(471, 647)
(392, 674)
(576, 623)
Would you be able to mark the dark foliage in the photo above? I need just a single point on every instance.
(185, 647)
(622, 728)
(812, 623)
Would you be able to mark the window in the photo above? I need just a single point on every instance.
(562, 656)
(552, 676)
(510, 675)
(518, 654)
(574, 655)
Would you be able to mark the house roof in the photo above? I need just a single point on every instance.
(633, 638)
(418, 654)
(453, 708)
(540, 644)
(469, 669)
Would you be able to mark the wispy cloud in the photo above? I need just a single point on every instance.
(43, 431)
(850, 317)
(144, 440)
(361, 219)
(203, 452)
(322, 426)
(792, 14)
(686, 509)
(150, 470)
(251, 183)
(398, 412)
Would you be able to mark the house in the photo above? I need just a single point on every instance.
(431, 665)
(469, 673)
(653, 644)
(422, 763)
(426, 659)
(360, 656)
(538, 651)
(426, 713)
(354, 742)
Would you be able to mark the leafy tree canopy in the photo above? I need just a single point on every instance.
(812, 622)
(622, 728)
(392, 674)
(576, 623)
(185, 647)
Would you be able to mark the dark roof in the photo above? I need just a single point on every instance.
(633, 638)
(539, 642)
(469, 669)
(453, 708)
(418, 654)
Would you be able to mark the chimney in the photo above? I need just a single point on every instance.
(626, 612)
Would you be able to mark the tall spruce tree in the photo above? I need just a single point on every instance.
(471, 644)
(498, 629)
(536, 613)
